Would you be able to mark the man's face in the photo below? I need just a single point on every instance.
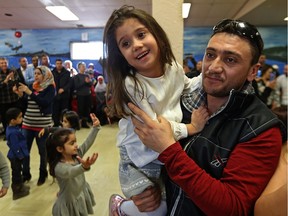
(262, 59)
(82, 68)
(3, 65)
(45, 60)
(227, 64)
(59, 65)
(23, 63)
(35, 61)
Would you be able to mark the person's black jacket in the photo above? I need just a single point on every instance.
(62, 80)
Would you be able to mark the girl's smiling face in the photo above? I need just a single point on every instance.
(139, 48)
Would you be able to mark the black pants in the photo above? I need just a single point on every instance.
(84, 106)
(58, 106)
(16, 167)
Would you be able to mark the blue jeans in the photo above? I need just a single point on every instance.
(41, 144)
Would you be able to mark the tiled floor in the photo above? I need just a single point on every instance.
(103, 178)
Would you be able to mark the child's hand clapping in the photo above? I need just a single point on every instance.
(89, 161)
(95, 120)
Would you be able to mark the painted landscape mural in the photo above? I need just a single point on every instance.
(56, 43)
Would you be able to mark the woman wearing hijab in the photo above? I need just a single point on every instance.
(100, 90)
(37, 116)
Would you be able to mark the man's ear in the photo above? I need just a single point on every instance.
(59, 149)
(253, 72)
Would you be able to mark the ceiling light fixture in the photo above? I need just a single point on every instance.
(286, 19)
(62, 12)
(185, 10)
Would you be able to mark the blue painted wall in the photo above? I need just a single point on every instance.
(56, 42)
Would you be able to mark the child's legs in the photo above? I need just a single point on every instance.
(134, 180)
(16, 167)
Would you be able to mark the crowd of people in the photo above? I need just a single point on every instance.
(208, 144)
(66, 79)
(40, 94)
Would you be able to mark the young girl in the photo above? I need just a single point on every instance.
(142, 69)
(69, 119)
(67, 166)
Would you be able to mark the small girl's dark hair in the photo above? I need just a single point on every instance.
(12, 113)
(57, 139)
(73, 119)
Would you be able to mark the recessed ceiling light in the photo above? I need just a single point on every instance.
(286, 19)
(62, 12)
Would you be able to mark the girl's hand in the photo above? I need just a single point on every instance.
(95, 120)
(148, 200)
(199, 118)
(41, 133)
(89, 161)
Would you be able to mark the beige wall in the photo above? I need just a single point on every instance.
(168, 14)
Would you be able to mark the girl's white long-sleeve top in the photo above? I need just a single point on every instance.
(160, 96)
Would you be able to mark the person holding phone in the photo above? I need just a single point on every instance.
(8, 98)
(267, 90)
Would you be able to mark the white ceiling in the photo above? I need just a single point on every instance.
(31, 14)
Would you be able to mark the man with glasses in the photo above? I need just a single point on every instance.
(223, 169)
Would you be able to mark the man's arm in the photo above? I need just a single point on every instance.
(248, 170)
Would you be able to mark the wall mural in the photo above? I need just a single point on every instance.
(275, 43)
(55, 43)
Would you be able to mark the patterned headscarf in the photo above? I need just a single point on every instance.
(47, 80)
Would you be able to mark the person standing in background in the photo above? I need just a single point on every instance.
(69, 67)
(282, 81)
(8, 98)
(29, 75)
(63, 85)
(22, 70)
(82, 87)
(45, 61)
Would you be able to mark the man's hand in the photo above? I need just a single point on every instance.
(148, 200)
(156, 135)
